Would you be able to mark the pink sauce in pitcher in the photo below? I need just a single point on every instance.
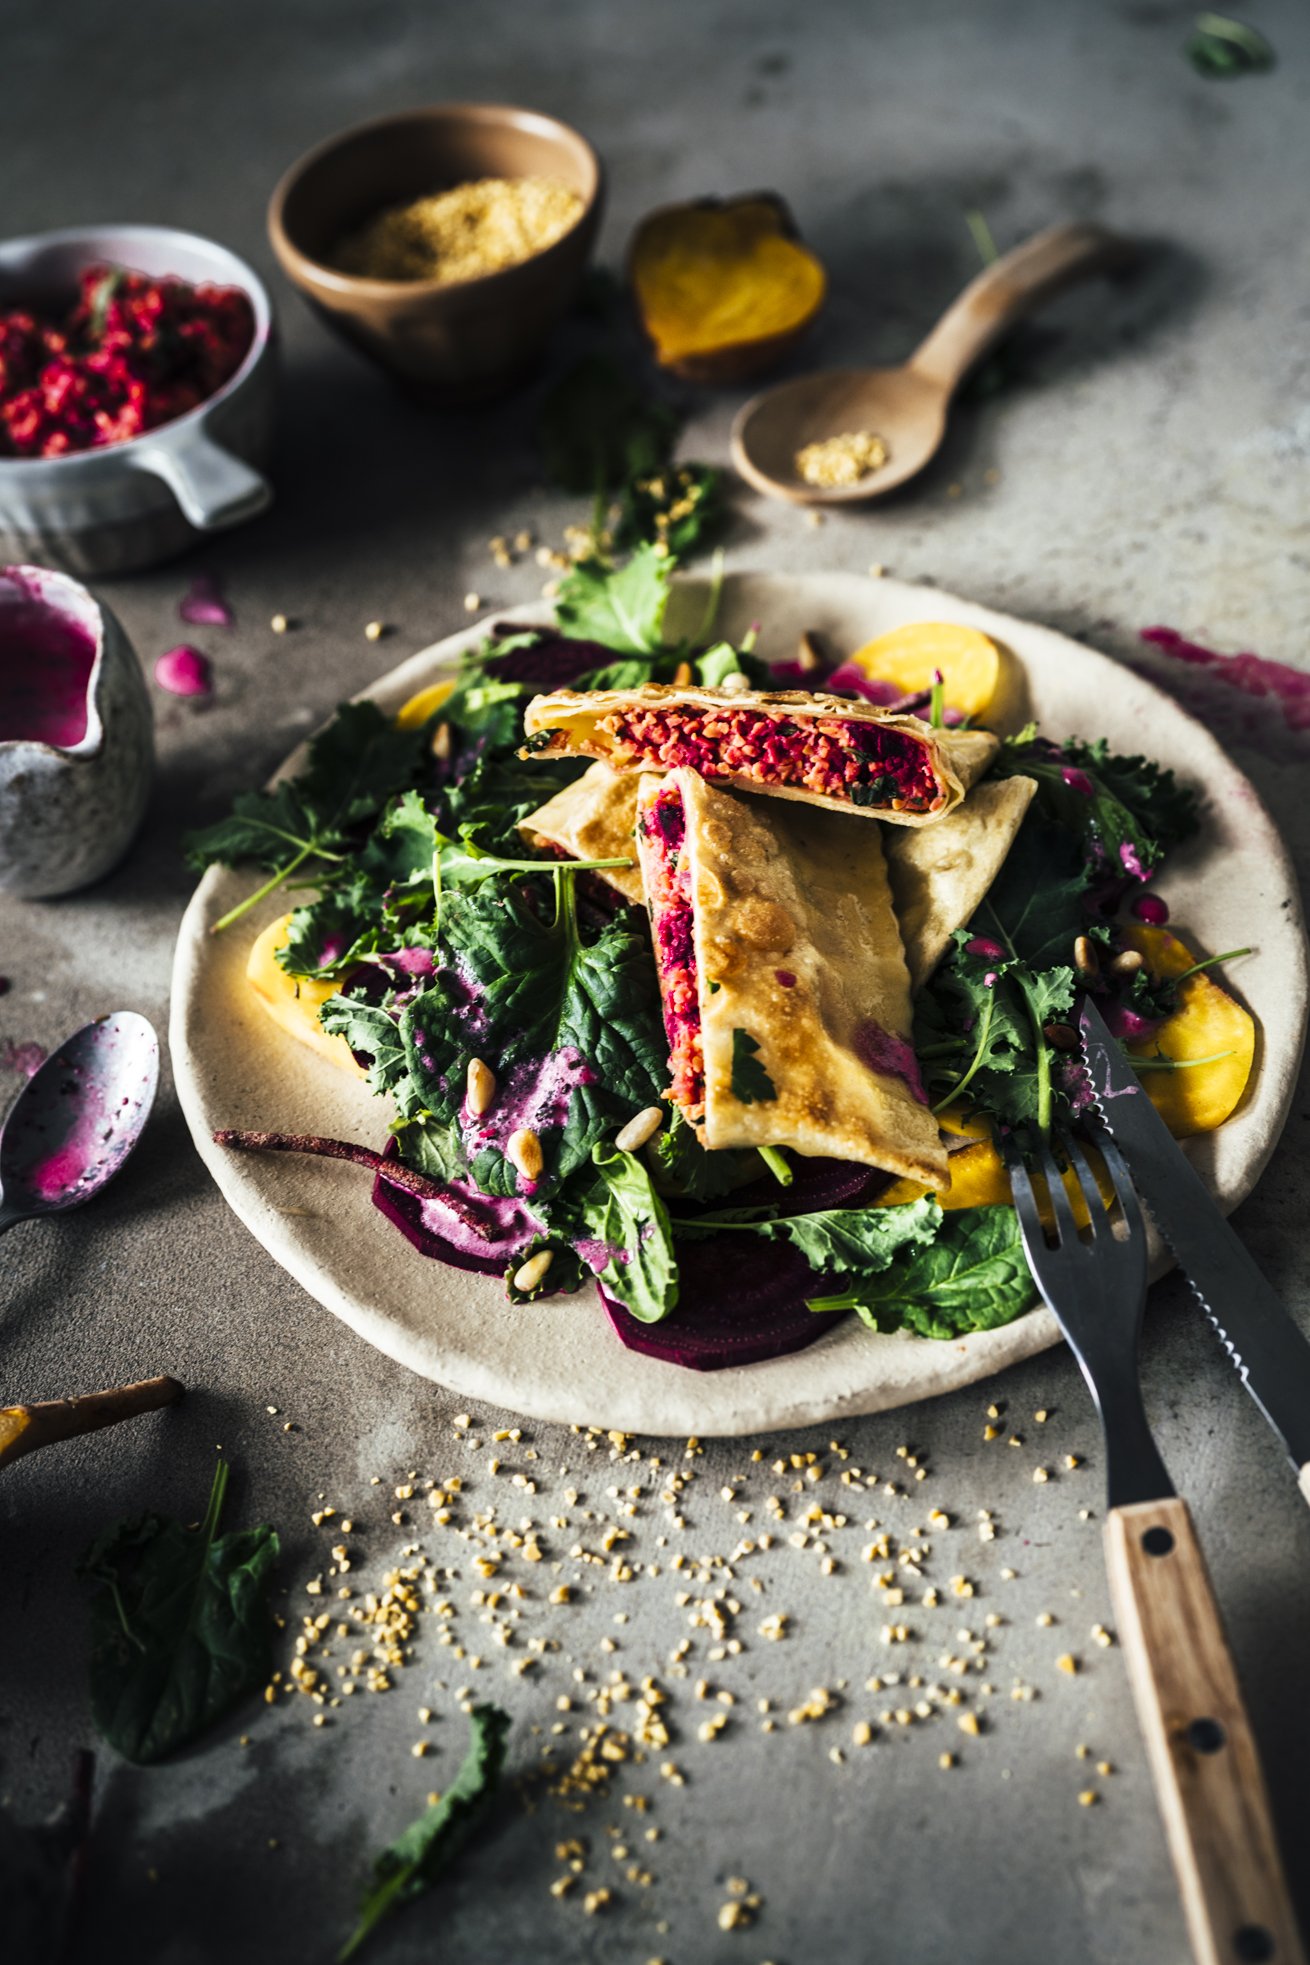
(46, 661)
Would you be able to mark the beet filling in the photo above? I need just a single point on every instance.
(667, 871)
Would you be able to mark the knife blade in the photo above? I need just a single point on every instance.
(1270, 1353)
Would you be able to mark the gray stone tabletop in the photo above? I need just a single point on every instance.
(1145, 465)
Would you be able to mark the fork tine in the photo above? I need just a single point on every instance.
(1021, 1188)
(1098, 1213)
(1121, 1180)
(1061, 1206)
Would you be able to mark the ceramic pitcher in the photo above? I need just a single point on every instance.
(76, 735)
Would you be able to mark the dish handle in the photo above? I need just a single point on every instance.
(214, 487)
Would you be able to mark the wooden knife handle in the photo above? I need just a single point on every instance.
(1202, 1752)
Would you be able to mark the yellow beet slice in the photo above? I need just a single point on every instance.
(971, 663)
(723, 289)
(415, 713)
(979, 1180)
(1207, 1023)
(294, 1002)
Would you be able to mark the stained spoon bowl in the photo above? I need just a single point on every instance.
(78, 1118)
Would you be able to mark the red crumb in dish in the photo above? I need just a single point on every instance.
(133, 352)
(667, 870)
(863, 762)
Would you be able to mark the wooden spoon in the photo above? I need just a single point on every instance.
(907, 406)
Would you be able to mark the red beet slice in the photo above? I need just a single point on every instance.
(817, 1185)
(742, 1300)
(405, 1211)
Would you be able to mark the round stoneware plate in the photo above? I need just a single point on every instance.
(559, 1360)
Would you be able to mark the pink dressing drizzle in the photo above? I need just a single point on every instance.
(889, 1055)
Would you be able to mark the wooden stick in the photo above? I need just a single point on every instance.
(1207, 1773)
(25, 1428)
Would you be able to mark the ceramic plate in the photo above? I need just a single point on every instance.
(560, 1360)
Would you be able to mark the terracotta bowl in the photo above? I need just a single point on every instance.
(462, 342)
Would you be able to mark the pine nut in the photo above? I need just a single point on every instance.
(1084, 957)
(1127, 963)
(642, 1126)
(481, 1087)
(809, 656)
(523, 1150)
(440, 745)
(736, 683)
(682, 675)
(533, 1271)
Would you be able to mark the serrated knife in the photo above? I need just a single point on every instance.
(1271, 1355)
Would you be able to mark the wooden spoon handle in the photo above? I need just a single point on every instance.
(1010, 287)
(25, 1428)
(1202, 1752)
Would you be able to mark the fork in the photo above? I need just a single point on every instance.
(1199, 1742)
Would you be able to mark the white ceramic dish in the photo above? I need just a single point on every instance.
(135, 503)
(559, 1360)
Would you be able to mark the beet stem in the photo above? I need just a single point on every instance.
(393, 1171)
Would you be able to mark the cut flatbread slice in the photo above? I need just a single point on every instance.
(939, 874)
(786, 995)
(822, 750)
(593, 819)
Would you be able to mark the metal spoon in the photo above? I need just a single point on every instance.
(907, 406)
(78, 1117)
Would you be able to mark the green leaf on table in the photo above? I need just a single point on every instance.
(624, 1212)
(425, 1851)
(623, 606)
(972, 1275)
(598, 430)
(1220, 47)
(179, 1626)
(751, 1083)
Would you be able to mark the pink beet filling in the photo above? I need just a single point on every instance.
(891, 1056)
(667, 871)
(861, 762)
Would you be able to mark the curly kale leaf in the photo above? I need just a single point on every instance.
(972, 1275)
(1126, 811)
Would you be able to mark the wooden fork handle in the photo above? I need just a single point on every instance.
(1011, 287)
(1199, 1742)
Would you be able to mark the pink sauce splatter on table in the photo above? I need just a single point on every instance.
(45, 674)
(25, 1059)
(184, 671)
(1246, 697)
(203, 606)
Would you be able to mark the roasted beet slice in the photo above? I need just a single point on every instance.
(817, 1185)
(554, 660)
(742, 1300)
(407, 1212)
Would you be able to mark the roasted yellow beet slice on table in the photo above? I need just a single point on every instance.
(973, 667)
(1207, 1024)
(723, 288)
(294, 1002)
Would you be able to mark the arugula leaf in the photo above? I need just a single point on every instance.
(621, 606)
(844, 1240)
(598, 430)
(972, 1276)
(179, 1626)
(428, 1847)
(1219, 48)
(625, 1213)
(354, 767)
(751, 1083)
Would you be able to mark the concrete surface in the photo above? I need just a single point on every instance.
(1151, 456)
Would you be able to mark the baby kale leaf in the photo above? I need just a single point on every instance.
(1125, 811)
(429, 1846)
(622, 606)
(972, 1275)
(623, 1211)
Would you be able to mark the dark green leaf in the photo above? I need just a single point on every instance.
(418, 1858)
(842, 1240)
(598, 430)
(972, 1276)
(680, 509)
(686, 1169)
(1125, 811)
(179, 1626)
(751, 1083)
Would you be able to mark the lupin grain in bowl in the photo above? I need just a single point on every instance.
(445, 243)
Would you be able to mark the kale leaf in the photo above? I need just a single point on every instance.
(836, 1241)
(1126, 811)
(418, 1858)
(354, 767)
(972, 1275)
(179, 1626)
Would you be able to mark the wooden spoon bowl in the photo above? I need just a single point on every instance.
(907, 406)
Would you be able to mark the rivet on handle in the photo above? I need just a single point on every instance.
(1157, 1541)
(1254, 1945)
(1206, 1736)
